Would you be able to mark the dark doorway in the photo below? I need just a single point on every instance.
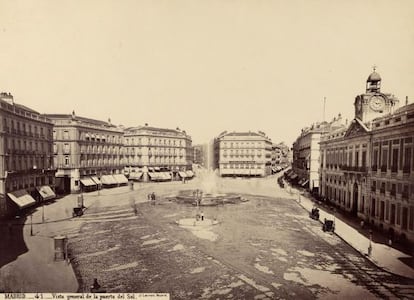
(404, 218)
(354, 209)
(392, 214)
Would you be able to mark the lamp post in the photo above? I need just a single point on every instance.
(31, 224)
(370, 243)
(43, 212)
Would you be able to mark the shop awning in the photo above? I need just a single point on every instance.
(156, 168)
(21, 198)
(155, 176)
(167, 175)
(189, 173)
(108, 180)
(46, 192)
(120, 178)
(87, 181)
(182, 174)
(97, 181)
(135, 175)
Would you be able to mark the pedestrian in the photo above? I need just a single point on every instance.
(202, 216)
(362, 224)
(95, 286)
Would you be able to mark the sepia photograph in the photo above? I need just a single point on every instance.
(193, 149)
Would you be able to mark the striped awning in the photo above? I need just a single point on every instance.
(135, 175)
(120, 178)
(108, 180)
(21, 198)
(182, 174)
(46, 192)
(87, 181)
(96, 180)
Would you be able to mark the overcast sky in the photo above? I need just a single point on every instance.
(204, 66)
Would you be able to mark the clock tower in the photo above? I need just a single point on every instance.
(373, 103)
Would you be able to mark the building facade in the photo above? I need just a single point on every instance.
(367, 168)
(280, 157)
(84, 150)
(243, 154)
(149, 150)
(200, 154)
(26, 159)
(306, 154)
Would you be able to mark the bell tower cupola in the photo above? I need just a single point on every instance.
(374, 82)
(374, 103)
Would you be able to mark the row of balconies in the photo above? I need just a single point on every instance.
(404, 194)
(33, 152)
(394, 169)
(24, 133)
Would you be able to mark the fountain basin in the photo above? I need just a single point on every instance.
(208, 199)
(193, 222)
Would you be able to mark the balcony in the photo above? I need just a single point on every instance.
(354, 169)
(394, 169)
(406, 169)
(383, 169)
(374, 168)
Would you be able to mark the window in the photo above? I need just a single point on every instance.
(407, 160)
(394, 163)
(66, 160)
(65, 135)
(384, 160)
(66, 148)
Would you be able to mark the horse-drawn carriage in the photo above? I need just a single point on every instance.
(328, 225)
(314, 214)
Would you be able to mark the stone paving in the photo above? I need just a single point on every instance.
(266, 248)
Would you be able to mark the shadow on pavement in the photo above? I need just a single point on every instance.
(12, 243)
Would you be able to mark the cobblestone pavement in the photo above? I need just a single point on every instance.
(266, 248)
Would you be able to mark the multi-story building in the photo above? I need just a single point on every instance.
(243, 154)
(200, 154)
(306, 153)
(26, 159)
(157, 153)
(86, 153)
(367, 168)
(280, 158)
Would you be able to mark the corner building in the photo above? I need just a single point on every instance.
(157, 153)
(367, 168)
(85, 150)
(26, 164)
(243, 154)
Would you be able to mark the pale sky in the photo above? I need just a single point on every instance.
(204, 66)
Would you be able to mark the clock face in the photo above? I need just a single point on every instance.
(377, 103)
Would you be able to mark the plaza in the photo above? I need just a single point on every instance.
(265, 247)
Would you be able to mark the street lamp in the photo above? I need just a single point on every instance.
(43, 212)
(31, 224)
(370, 243)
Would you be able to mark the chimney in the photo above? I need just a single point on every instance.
(109, 120)
(406, 100)
(146, 124)
(73, 114)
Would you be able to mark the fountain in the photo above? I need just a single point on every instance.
(206, 196)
